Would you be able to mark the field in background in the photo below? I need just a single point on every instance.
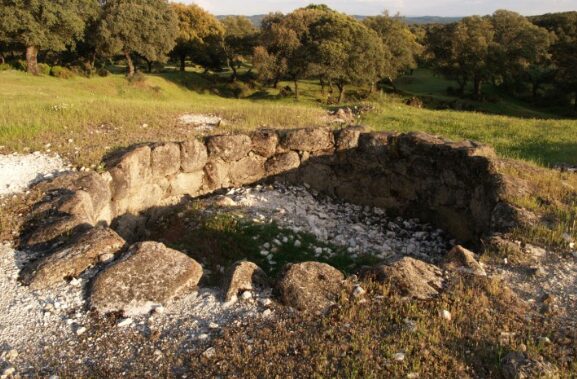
(83, 118)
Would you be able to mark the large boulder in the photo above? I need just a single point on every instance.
(216, 175)
(193, 155)
(310, 140)
(148, 275)
(187, 183)
(264, 142)
(72, 203)
(462, 260)
(409, 277)
(281, 163)
(243, 276)
(310, 286)
(130, 171)
(229, 148)
(247, 170)
(90, 248)
(165, 159)
(348, 138)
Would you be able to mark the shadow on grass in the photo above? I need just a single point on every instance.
(551, 154)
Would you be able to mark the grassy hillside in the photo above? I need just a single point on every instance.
(102, 113)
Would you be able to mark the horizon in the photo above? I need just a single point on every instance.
(419, 8)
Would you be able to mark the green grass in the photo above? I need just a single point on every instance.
(100, 114)
(546, 142)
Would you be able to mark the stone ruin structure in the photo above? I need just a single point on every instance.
(91, 219)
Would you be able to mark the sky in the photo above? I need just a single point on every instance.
(405, 7)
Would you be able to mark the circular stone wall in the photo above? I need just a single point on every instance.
(86, 219)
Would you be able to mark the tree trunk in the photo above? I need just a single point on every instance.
(130, 64)
(392, 83)
(322, 82)
(2, 61)
(534, 90)
(182, 62)
(477, 83)
(462, 84)
(296, 89)
(92, 60)
(149, 66)
(32, 60)
(275, 82)
(234, 73)
(341, 88)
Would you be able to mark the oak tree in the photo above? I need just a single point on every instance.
(148, 28)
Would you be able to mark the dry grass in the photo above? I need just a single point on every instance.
(355, 340)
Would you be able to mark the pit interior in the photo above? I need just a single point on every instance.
(346, 197)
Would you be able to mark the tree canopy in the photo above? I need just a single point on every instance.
(44, 25)
(239, 41)
(400, 45)
(199, 33)
(148, 28)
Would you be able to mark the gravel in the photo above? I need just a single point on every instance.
(59, 320)
(18, 172)
(361, 230)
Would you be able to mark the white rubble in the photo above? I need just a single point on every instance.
(18, 172)
(361, 230)
(200, 121)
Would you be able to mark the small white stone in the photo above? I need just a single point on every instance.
(203, 336)
(446, 315)
(359, 291)
(298, 243)
(125, 322)
(106, 257)
(80, 331)
(209, 353)
(264, 253)
(246, 295)
(11, 355)
(266, 302)
(545, 340)
(267, 313)
(213, 325)
(399, 357)
(10, 370)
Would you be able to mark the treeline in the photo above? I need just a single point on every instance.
(516, 54)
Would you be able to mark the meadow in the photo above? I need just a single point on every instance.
(94, 115)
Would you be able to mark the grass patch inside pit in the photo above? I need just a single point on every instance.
(219, 240)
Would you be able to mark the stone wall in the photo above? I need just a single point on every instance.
(452, 185)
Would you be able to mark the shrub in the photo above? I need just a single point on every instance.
(137, 78)
(5, 67)
(240, 89)
(44, 69)
(61, 72)
(103, 72)
(21, 65)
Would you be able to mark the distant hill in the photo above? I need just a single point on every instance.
(256, 19)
